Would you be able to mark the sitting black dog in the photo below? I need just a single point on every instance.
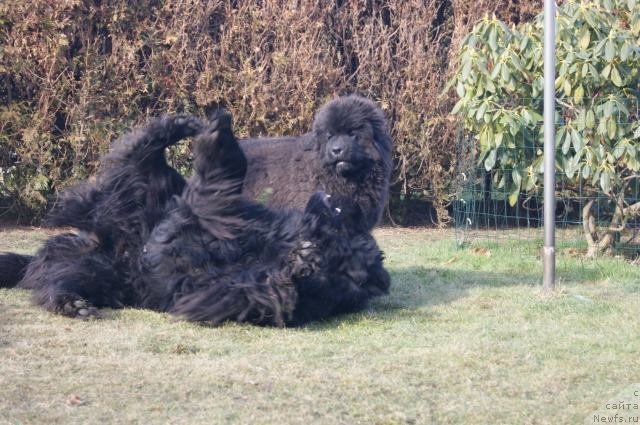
(212, 255)
(347, 153)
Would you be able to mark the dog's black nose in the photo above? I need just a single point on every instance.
(337, 149)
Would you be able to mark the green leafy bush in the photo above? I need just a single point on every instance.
(499, 80)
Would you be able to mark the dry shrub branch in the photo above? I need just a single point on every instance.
(75, 73)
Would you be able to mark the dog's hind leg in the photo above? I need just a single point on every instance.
(70, 276)
(213, 192)
(78, 289)
(218, 158)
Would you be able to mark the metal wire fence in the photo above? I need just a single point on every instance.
(482, 210)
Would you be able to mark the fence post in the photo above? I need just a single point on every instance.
(549, 254)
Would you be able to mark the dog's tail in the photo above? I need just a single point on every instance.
(12, 268)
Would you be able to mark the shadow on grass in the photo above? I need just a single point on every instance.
(412, 288)
(419, 288)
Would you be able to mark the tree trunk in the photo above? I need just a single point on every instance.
(602, 244)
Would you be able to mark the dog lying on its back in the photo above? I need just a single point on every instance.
(218, 256)
(126, 200)
(208, 255)
(114, 216)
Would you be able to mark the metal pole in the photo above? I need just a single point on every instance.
(549, 250)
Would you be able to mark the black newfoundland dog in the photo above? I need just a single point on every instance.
(208, 255)
(347, 154)
(113, 215)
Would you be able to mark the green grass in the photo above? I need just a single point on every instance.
(466, 336)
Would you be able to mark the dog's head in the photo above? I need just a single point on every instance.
(352, 136)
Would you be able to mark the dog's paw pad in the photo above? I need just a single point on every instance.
(80, 309)
(304, 262)
(304, 251)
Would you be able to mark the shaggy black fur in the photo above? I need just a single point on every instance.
(12, 268)
(218, 256)
(114, 216)
(347, 154)
(132, 187)
(208, 255)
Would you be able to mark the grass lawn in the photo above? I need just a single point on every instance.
(466, 336)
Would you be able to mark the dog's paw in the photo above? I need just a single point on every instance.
(321, 205)
(304, 261)
(80, 309)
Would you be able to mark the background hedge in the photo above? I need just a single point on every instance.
(75, 73)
